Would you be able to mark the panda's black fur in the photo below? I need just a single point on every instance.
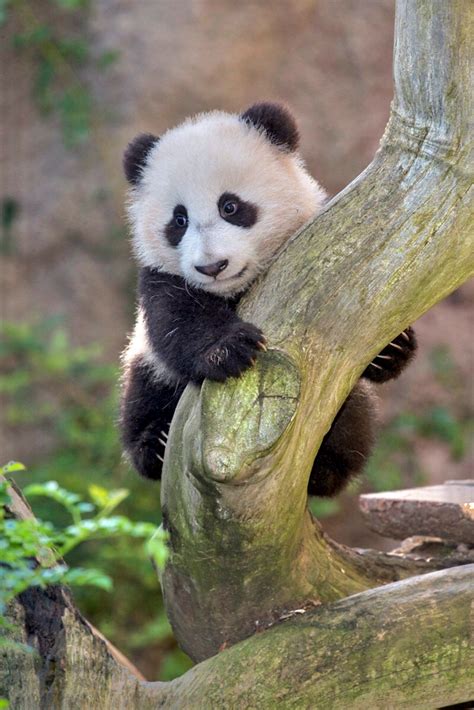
(187, 333)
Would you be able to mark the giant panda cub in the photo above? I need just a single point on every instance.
(211, 202)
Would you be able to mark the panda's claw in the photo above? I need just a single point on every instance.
(398, 347)
(393, 358)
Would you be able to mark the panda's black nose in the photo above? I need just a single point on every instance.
(213, 269)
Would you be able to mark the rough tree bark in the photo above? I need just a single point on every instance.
(392, 244)
(361, 652)
(245, 551)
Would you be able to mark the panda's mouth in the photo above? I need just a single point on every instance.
(237, 276)
(229, 285)
(217, 280)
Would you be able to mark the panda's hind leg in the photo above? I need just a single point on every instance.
(147, 408)
(347, 445)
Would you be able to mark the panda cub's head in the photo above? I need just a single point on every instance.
(213, 199)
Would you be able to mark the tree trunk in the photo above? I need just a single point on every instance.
(245, 552)
(392, 244)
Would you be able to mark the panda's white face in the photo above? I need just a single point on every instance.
(216, 200)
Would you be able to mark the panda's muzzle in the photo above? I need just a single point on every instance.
(213, 269)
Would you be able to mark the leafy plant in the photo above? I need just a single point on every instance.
(31, 550)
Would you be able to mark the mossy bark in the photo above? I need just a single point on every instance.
(405, 645)
(391, 245)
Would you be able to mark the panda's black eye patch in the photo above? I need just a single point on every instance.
(237, 211)
(177, 226)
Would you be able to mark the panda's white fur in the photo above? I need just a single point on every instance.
(187, 328)
(196, 162)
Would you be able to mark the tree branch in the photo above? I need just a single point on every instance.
(386, 249)
(403, 645)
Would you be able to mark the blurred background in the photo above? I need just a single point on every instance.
(78, 80)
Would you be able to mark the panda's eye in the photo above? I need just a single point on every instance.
(177, 226)
(237, 211)
(229, 208)
(181, 220)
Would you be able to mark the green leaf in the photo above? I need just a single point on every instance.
(4, 498)
(13, 467)
(99, 495)
(79, 577)
(107, 500)
(75, 108)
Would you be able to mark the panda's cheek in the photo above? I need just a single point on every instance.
(241, 250)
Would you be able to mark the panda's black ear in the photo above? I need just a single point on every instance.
(135, 156)
(277, 122)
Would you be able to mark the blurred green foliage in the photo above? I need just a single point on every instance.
(48, 32)
(26, 542)
(49, 385)
(395, 451)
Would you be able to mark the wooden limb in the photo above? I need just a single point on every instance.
(414, 556)
(391, 245)
(405, 645)
(445, 511)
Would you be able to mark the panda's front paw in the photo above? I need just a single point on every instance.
(233, 353)
(393, 359)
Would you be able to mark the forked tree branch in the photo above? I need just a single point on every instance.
(386, 249)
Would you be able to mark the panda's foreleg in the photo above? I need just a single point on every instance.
(347, 445)
(393, 359)
(147, 408)
(196, 334)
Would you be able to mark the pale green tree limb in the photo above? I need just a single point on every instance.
(393, 243)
